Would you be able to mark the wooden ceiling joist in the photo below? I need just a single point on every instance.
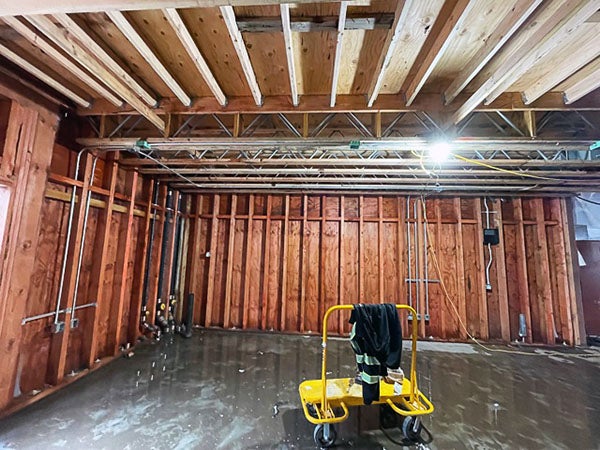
(193, 51)
(136, 40)
(493, 43)
(401, 16)
(289, 51)
(242, 52)
(65, 62)
(582, 83)
(33, 70)
(92, 46)
(30, 7)
(450, 22)
(74, 50)
(551, 40)
(551, 22)
(337, 61)
(554, 74)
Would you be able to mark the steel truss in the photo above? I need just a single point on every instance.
(365, 152)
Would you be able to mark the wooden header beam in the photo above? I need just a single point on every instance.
(27, 7)
(511, 101)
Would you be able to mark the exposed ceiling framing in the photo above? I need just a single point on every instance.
(342, 70)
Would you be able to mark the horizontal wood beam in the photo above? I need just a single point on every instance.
(511, 101)
(193, 51)
(73, 49)
(582, 83)
(42, 76)
(289, 51)
(92, 46)
(39, 42)
(542, 31)
(27, 7)
(316, 23)
(142, 47)
(242, 52)
(401, 17)
(553, 38)
(448, 24)
(492, 45)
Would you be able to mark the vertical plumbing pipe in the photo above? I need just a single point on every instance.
(417, 274)
(82, 245)
(426, 260)
(150, 247)
(168, 213)
(408, 244)
(63, 269)
(488, 284)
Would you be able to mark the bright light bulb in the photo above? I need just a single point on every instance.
(439, 151)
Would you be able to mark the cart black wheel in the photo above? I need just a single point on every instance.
(319, 437)
(408, 428)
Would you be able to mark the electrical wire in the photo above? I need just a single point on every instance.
(456, 312)
(587, 200)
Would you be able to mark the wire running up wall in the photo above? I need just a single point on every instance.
(277, 262)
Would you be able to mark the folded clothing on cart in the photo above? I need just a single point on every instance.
(376, 338)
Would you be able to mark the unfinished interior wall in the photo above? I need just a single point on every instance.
(36, 181)
(277, 262)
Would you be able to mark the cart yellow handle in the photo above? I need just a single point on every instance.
(413, 359)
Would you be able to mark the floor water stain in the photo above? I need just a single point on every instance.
(233, 390)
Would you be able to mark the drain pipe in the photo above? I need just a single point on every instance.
(160, 320)
(488, 284)
(176, 269)
(146, 286)
(176, 231)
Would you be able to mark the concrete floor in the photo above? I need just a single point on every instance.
(233, 390)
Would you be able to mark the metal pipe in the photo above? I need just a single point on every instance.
(149, 250)
(63, 269)
(161, 268)
(426, 261)
(488, 284)
(50, 314)
(408, 243)
(418, 275)
(82, 245)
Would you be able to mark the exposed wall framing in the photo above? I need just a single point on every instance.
(276, 262)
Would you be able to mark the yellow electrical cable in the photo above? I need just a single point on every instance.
(500, 169)
(455, 309)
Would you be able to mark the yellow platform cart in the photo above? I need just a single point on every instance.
(326, 401)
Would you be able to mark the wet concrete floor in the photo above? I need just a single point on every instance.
(239, 390)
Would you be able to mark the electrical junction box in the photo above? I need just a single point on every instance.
(491, 236)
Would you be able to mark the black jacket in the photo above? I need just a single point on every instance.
(376, 338)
